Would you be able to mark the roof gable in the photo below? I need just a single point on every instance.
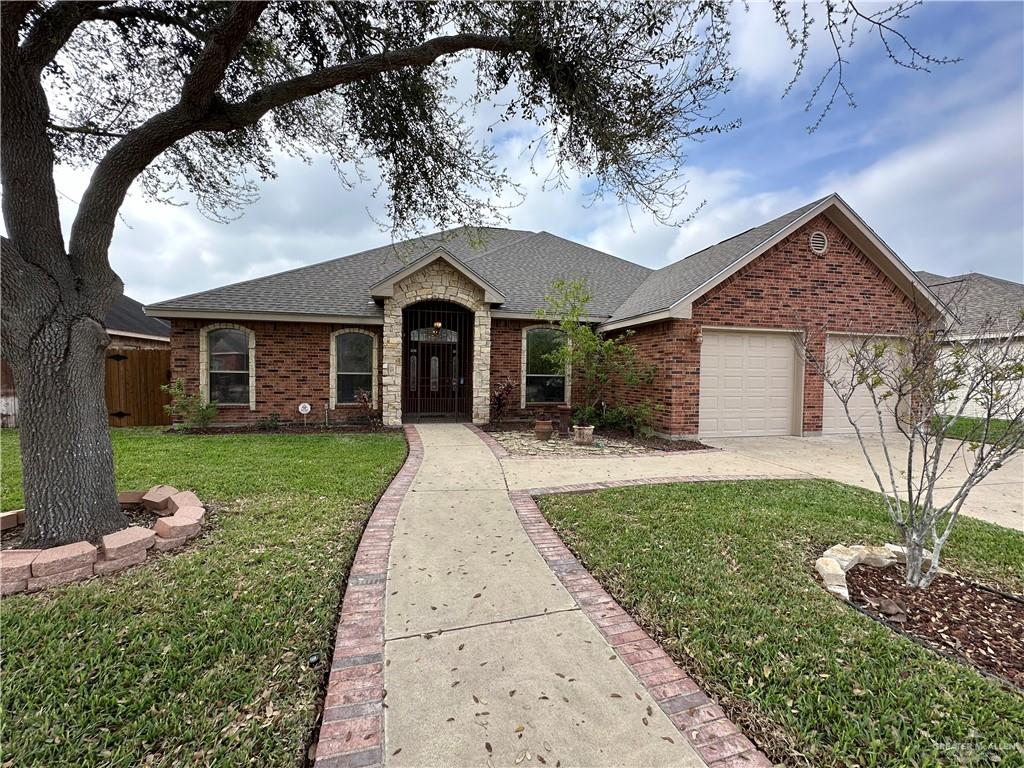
(671, 291)
(386, 287)
(978, 301)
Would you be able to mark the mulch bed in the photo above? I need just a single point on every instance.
(975, 624)
(137, 514)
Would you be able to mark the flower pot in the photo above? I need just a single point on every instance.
(583, 435)
(542, 429)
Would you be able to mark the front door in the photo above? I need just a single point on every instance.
(437, 346)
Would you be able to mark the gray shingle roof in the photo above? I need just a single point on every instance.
(519, 263)
(664, 287)
(128, 316)
(978, 301)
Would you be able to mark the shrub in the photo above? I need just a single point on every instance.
(370, 416)
(501, 400)
(190, 410)
(269, 424)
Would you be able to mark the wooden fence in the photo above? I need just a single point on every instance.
(134, 377)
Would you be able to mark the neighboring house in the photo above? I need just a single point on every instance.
(137, 364)
(429, 325)
(983, 307)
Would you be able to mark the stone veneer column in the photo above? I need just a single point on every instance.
(482, 365)
(391, 381)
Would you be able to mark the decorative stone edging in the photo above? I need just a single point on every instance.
(32, 570)
(836, 561)
(698, 719)
(352, 727)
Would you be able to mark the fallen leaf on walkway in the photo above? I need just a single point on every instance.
(519, 729)
(512, 693)
(668, 739)
(396, 751)
(461, 646)
(487, 746)
(616, 696)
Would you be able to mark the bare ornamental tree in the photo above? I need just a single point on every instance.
(191, 95)
(935, 403)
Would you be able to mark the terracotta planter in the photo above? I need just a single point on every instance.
(583, 435)
(542, 429)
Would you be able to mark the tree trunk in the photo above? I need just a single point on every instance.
(65, 444)
(915, 555)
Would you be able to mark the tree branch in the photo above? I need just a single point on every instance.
(86, 130)
(146, 13)
(52, 31)
(228, 117)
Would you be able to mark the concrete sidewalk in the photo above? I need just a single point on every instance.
(488, 659)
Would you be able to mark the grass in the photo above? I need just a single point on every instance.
(200, 658)
(970, 428)
(722, 573)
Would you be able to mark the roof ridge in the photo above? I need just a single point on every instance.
(597, 250)
(363, 252)
(529, 234)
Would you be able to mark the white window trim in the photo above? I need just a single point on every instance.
(522, 371)
(374, 365)
(204, 363)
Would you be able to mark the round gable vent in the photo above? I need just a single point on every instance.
(819, 243)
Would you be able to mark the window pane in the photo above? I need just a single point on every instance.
(545, 389)
(229, 388)
(355, 353)
(229, 350)
(539, 343)
(350, 383)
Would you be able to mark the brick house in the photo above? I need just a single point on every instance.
(429, 326)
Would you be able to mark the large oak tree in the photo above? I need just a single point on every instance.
(172, 95)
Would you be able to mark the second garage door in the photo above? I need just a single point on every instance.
(834, 420)
(748, 384)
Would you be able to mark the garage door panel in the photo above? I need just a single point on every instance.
(834, 420)
(748, 383)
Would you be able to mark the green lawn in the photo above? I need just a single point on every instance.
(968, 427)
(722, 574)
(200, 658)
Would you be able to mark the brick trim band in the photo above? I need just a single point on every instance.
(497, 448)
(352, 726)
(697, 718)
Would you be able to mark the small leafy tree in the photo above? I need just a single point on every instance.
(501, 399)
(187, 408)
(593, 359)
(958, 399)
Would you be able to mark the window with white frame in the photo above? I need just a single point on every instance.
(229, 366)
(354, 354)
(544, 378)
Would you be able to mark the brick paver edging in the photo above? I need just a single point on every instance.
(700, 720)
(606, 484)
(499, 450)
(352, 727)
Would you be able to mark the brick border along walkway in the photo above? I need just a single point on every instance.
(352, 727)
(700, 720)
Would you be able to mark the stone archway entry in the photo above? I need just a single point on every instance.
(437, 355)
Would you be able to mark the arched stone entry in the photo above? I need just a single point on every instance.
(437, 281)
(437, 357)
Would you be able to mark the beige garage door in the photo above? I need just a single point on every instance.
(834, 420)
(747, 384)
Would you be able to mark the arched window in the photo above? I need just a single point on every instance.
(544, 381)
(229, 366)
(354, 354)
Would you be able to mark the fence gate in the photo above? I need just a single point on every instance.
(133, 392)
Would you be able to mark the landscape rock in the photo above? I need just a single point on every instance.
(62, 577)
(198, 514)
(182, 499)
(900, 553)
(847, 557)
(129, 498)
(16, 564)
(876, 557)
(176, 527)
(70, 557)
(165, 545)
(104, 567)
(127, 542)
(158, 497)
(831, 572)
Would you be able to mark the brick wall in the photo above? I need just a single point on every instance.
(293, 363)
(787, 287)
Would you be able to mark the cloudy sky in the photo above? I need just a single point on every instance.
(934, 163)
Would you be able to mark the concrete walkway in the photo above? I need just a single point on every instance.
(998, 499)
(488, 659)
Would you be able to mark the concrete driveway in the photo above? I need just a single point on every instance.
(998, 499)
